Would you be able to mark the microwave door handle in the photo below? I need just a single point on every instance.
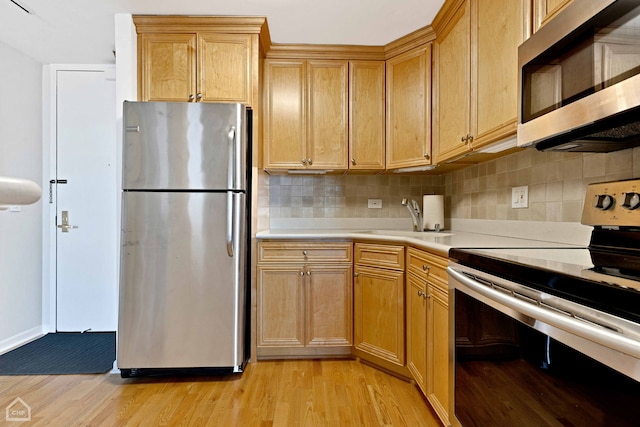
(569, 324)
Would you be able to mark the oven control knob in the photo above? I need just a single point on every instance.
(604, 202)
(631, 201)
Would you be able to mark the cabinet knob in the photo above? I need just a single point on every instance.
(305, 253)
(463, 139)
(302, 273)
(199, 96)
(425, 267)
(420, 294)
(355, 274)
(304, 162)
(353, 161)
(308, 273)
(309, 162)
(426, 156)
(191, 97)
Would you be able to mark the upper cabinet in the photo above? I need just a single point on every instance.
(327, 118)
(167, 67)
(306, 115)
(366, 115)
(545, 10)
(202, 67)
(197, 59)
(409, 108)
(476, 74)
(323, 115)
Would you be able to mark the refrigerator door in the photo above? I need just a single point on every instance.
(182, 296)
(184, 146)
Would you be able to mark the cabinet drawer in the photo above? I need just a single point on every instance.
(380, 256)
(426, 265)
(307, 252)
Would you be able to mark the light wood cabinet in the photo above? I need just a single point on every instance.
(545, 10)
(304, 299)
(366, 115)
(200, 67)
(417, 330)
(428, 327)
(409, 109)
(306, 114)
(476, 74)
(379, 332)
(285, 133)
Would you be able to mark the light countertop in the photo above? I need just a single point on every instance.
(435, 241)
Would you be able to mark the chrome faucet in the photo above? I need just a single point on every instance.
(416, 214)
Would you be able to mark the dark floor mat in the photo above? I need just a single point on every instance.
(62, 353)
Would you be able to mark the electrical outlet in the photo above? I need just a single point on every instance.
(520, 197)
(374, 203)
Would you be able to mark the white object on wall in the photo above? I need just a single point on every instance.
(18, 191)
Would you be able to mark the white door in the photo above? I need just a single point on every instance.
(86, 279)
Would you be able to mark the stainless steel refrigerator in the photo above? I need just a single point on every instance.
(185, 233)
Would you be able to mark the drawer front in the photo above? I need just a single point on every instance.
(307, 252)
(380, 256)
(426, 265)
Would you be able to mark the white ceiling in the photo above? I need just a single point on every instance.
(82, 31)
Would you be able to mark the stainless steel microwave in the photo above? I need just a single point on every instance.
(580, 79)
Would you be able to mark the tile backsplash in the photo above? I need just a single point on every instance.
(556, 183)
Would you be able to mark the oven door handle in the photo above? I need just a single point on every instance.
(567, 323)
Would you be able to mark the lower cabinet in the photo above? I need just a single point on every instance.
(304, 299)
(379, 333)
(323, 299)
(428, 327)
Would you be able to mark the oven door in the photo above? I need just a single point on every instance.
(524, 358)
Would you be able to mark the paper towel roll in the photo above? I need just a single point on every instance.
(433, 211)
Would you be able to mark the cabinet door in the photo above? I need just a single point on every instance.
(327, 125)
(167, 67)
(409, 108)
(500, 30)
(454, 87)
(379, 313)
(366, 115)
(284, 114)
(329, 306)
(438, 351)
(224, 67)
(417, 330)
(280, 306)
(545, 10)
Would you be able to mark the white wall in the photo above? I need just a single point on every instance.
(20, 232)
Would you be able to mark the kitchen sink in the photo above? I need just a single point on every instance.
(415, 234)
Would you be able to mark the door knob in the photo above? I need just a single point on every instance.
(65, 226)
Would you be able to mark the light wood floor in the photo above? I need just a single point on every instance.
(268, 393)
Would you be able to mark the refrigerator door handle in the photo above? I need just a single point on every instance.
(233, 159)
(230, 223)
(231, 174)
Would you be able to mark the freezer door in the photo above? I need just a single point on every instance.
(182, 296)
(184, 146)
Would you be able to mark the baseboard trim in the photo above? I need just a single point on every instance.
(20, 339)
